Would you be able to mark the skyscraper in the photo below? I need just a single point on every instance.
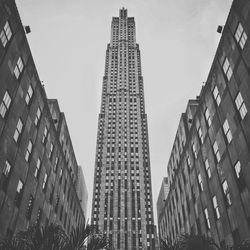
(122, 198)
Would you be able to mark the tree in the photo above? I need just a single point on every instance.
(9, 243)
(53, 237)
(86, 237)
(244, 245)
(78, 237)
(98, 241)
(167, 245)
(196, 242)
(199, 242)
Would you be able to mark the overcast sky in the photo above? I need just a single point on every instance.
(177, 39)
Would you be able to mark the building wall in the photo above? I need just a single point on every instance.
(122, 195)
(41, 199)
(163, 194)
(81, 190)
(209, 170)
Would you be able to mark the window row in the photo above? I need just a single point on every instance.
(6, 101)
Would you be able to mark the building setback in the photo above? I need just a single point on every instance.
(81, 190)
(38, 168)
(163, 194)
(122, 197)
(209, 169)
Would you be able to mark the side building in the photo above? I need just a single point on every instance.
(122, 204)
(163, 194)
(38, 168)
(209, 166)
(81, 190)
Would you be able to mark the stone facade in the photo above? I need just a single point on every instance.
(81, 190)
(38, 169)
(163, 194)
(209, 166)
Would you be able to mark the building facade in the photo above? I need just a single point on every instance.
(81, 190)
(122, 197)
(38, 168)
(209, 166)
(163, 194)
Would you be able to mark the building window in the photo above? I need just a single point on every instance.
(45, 180)
(7, 169)
(51, 150)
(200, 135)
(208, 169)
(5, 34)
(28, 151)
(237, 168)
(39, 216)
(29, 95)
(208, 118)
(227, 69)
(207, 218)
(18, 68)
(18, 130)
(56, 165)
(227, 193)
(240, 179)
(60, 176)
(38, 167)
(45, 134)
(227, 131)
(5, 104)
(29, 207)
(216, 208)
(194, 150)
(240, 36)
(38, 116)
(216, 95)
(241, 105)
(19, 193)
(200, 182)
(5, 176)
(188, 161)
(216, 151)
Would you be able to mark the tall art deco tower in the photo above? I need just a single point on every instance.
(122, 198)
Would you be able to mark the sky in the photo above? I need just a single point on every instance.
(177, 39)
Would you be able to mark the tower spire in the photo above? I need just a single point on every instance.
(123, 12)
